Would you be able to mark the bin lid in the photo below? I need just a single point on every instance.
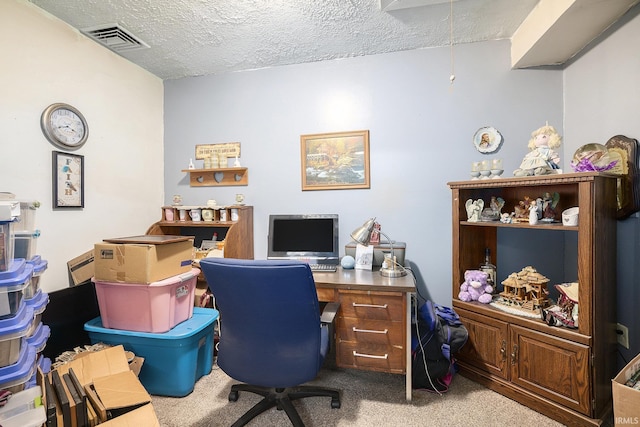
(39, 338)
(22, 370)
(19, 281)
(39, 264)
(15, 269)
(178, 278)
(39, 302)
(202, 318)
(18, 325)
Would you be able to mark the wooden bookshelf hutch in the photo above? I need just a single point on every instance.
(560, 372)
(237, 235)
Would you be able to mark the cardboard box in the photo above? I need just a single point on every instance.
(117, 387)
(626, 400)
(81, 268)
(144, 262)
(143, 416)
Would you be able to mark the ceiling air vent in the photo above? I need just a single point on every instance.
(115, 38)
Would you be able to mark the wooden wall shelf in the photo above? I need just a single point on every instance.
(217, 177)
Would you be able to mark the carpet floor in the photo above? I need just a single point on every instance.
(368, 399)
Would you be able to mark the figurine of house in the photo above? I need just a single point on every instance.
(526, 289)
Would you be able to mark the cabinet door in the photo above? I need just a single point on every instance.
(551, 367)
(487, 346)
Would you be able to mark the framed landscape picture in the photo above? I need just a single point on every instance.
(335, 161)
(68, 180)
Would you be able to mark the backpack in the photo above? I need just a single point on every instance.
(436, 336)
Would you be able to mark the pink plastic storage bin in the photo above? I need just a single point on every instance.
(156, 307)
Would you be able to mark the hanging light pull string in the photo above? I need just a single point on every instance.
(452, 77)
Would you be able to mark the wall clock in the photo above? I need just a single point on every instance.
(64, 126)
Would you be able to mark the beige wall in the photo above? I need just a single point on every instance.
(43, 61)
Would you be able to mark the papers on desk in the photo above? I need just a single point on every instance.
(364, 257)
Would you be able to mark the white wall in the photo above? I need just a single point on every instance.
(421, 131)
(602, 99)
(46, 61)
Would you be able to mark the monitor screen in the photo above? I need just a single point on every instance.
(313, 238)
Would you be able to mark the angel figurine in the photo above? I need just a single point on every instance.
(549, 203)
(474, 208)
(542, 159)
(533, 214)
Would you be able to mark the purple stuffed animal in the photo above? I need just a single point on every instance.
(475, 287)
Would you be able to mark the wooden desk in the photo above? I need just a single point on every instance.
(373, 326)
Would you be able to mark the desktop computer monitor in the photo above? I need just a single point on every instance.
(312, 238)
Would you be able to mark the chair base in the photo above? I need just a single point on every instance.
(280, 398)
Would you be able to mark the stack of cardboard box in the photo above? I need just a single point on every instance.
(98, 387)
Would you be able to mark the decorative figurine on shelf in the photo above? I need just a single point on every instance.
(542, 159)
(236, 163)
(475, 287)
(549, 203)
(565, 313)
(506, 218)
(492, 213)
(524, 292)
(497, 203)
(474, 208)
(521, 210)
(533, 214)
(191, 165)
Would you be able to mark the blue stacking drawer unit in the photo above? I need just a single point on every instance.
(173, 360)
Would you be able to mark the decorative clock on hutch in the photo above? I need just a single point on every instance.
(64, 126)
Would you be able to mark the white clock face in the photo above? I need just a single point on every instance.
(64, 126)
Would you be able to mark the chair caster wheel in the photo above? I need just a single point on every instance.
(335, 404)
(233, 396)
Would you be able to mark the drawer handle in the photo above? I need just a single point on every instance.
(371, 331)
(369, 305)
(370, 356)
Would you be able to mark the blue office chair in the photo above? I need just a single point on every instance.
(271, 334)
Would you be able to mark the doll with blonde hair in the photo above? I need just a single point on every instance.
(542, 159)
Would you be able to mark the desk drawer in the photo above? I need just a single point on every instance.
(370, 331)
(371, 305)
(385, 358)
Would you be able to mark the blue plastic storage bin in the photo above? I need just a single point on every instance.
(38, 339)
(13, 333)
(15, 377)
(38, 304)
(173, 360)
(12, 283)
(39, 266)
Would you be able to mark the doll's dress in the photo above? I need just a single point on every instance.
(539, 158)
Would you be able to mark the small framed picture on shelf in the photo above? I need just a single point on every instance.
(68, 180)
(335, 161)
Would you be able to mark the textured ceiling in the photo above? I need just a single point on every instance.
(199, 37)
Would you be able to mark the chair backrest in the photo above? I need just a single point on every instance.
(269, 320)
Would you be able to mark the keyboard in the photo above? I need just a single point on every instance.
(330, 268)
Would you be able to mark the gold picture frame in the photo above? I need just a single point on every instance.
(335, 161)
